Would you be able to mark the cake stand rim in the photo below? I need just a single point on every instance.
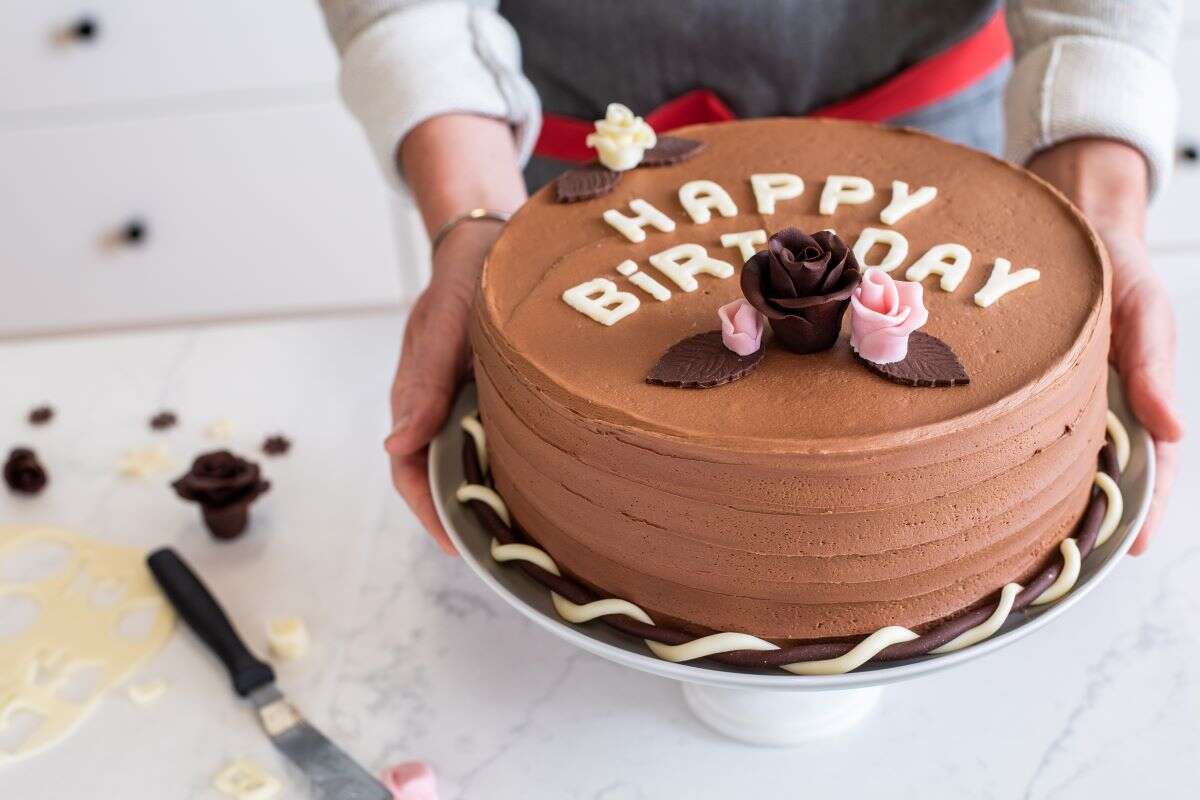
(445, 474)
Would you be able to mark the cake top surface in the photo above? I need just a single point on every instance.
(821, 401)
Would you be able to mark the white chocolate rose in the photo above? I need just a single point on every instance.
(621, 139)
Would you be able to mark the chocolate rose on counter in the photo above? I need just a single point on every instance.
(23, 473)
(224, 485)
(802, 284)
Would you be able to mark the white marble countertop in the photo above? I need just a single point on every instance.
(413, 658)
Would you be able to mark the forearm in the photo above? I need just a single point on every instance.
(456, 162)
(1106, 179)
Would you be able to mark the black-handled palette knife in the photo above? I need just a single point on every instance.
(335, 776)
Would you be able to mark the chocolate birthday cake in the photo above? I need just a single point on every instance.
(796, 393)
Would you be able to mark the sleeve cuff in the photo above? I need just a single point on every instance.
(1076, 86)
(432, 59)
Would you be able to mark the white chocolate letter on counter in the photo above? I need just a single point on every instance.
(951, 261)
(600, 300)
(896, 243)
(698, 197)
(245, 780)
(745, 241)
(847, 189)
(643, 281)
(904, 203)
(683, 262)
(287, 638)
(1001, 282)
(771, 186)
(631, 227)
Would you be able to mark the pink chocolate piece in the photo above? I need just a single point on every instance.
(411, 780)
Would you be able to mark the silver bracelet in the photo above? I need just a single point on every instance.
(473, 215)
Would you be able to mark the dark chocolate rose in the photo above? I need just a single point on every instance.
(23, 472)
(802, 284)
(224, 485)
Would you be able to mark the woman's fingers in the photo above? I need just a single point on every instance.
(1166, 462)
(410, 475)
(1144, 350)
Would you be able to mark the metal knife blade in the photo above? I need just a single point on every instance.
(334, 775)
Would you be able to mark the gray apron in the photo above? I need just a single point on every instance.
(761, 57)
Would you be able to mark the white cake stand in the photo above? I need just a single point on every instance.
(770, 707)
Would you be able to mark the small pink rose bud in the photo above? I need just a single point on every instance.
(883, 312)
(741, 327)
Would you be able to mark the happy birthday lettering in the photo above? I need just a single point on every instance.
(602, 300)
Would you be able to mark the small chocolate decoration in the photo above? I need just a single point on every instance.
(41, 415)
(802, 284)
(276, 445)
(585, 183)
(930, 362)
(702, 362)
(163, 420)
(23, 473)
(224, 485)
(671, 150)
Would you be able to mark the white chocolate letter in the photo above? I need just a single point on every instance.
(951, 261)
(903, 202)
(643, 281)
(683, 262)
(745, 241)
(698, 197)
(608, 308)
(895, 241)
(1001, 282)
(844, 189)
(631, 227)
(771, 186)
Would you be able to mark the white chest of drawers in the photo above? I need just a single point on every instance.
(180, 161)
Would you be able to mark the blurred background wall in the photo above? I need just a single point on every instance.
(184, 160)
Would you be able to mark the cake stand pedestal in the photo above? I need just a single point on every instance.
(780, 719)
(770, 707)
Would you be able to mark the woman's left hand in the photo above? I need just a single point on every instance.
(1107, 181)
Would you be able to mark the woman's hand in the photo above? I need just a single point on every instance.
(453, 164)
(434, 359)
(1107, 180)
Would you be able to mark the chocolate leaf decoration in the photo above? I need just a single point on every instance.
(671, 150)
(585, 183)
(930, 362)
(701, 362)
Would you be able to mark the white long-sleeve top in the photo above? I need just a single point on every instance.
(1082, 68)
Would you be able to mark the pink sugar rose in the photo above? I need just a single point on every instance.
(741, 327)
(883, 312)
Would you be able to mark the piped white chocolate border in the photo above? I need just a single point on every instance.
(729, 641)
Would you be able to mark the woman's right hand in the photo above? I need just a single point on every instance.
(452, 164)
(435, 358)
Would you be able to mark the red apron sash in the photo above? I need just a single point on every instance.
(928, 82)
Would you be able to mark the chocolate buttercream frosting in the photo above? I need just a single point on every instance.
(1084, 534)
(802, 284)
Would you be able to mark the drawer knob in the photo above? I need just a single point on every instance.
(134, 232)
(85, 29)
(1189, 152)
